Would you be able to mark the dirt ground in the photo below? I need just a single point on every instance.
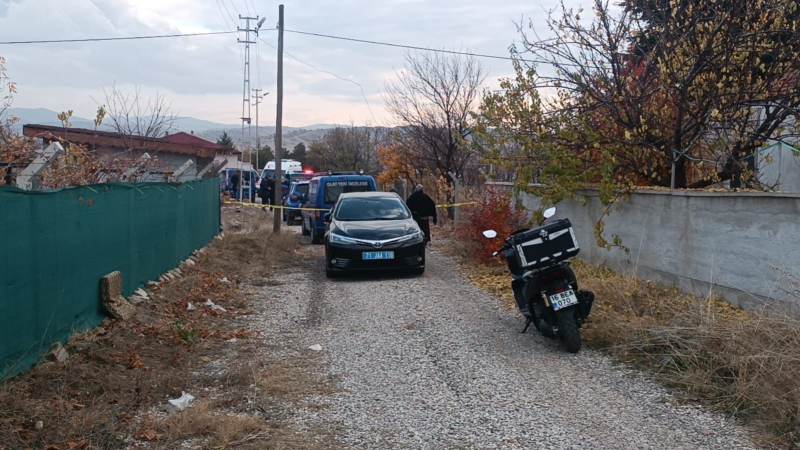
(113, 390)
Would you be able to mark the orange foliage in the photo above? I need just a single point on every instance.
(495, 211)
(396, 164)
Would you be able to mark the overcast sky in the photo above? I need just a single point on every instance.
(202, 76)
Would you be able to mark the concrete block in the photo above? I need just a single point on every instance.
(58, 353)
(111, 296)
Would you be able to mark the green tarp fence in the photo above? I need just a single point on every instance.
(55, 247)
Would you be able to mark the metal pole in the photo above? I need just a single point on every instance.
(246, 102)
(258, 137)
(258, 98)
(276, 225)
(672, 173)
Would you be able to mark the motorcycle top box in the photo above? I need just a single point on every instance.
(544, 246)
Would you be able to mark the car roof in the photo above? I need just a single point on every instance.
(343, 177)
(369, 194)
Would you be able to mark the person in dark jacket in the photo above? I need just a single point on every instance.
(267, 188)
(423, 209)
(235, 185)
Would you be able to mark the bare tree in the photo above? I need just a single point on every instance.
(132, 116)
(433, 99)
(346, 148)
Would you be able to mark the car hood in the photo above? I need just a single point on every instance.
(377, 230)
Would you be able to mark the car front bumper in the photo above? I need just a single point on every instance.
(350, 257)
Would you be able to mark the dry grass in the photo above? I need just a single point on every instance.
(741, 363)
(219, 430)
(115, 374)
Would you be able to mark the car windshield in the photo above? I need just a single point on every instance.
(300, 189)
(372, 208)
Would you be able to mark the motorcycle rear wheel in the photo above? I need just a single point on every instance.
(568, 330)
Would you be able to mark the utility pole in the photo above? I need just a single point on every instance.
(276, 225)
(258, 98)
(246, 92)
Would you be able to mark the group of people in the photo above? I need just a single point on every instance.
(266, 188)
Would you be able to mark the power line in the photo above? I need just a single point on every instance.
(339, 77)
(414, 47)
(122, 38)
(229, 17)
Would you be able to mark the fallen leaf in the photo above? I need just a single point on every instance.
(135, 361)
(147, 435)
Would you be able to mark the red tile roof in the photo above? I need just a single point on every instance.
(180, 143)
(190, 139)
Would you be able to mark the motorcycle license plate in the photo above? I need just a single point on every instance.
(564, 299)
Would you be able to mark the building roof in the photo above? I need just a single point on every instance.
(190, 139)
(175, 143)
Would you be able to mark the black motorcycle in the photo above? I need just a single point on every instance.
(544, 285)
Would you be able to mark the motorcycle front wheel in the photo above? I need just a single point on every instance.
(568, 330)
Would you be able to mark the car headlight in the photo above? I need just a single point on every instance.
(416, 236)
(339, 239)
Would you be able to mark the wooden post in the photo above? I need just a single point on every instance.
(276, 225)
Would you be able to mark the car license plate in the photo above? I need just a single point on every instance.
(564, 299)
(372, 256)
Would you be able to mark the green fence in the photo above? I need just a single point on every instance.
(57, 245)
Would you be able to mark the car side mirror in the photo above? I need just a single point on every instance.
(326, 217)
(490, 234)
(549, 212)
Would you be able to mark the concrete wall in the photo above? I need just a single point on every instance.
(166, 163)
(744, 247)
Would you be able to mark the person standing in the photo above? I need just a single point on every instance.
(235, 184)
(423, 209)
(253, 187)
(267, 190)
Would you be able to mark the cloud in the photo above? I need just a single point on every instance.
(203, 75)
(5, 5)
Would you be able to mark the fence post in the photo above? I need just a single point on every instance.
(215, 166)
(28, 179)
(456, 186)
(178, 174)
(136, 166)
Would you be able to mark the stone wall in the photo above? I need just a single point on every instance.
(744, 247)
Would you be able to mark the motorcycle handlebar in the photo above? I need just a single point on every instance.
(505, 247)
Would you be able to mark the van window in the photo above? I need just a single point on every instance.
(301, 189)
(312, 189)
(333, 189)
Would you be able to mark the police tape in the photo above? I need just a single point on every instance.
(457, 205)
(262, 206)
(294, 208)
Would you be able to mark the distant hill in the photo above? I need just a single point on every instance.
(203, 128)
(44, 116)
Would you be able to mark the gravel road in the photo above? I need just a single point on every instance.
(432, 362)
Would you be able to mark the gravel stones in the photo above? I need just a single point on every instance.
(432, 362)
